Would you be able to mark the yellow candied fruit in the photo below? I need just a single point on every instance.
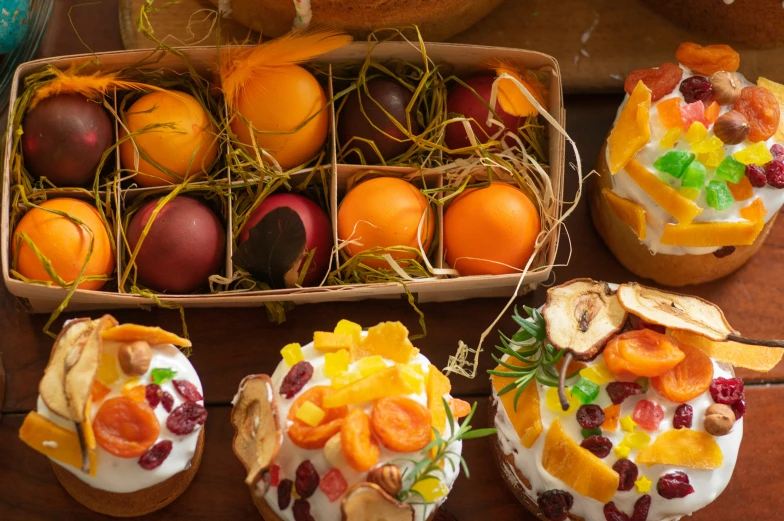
(689, 193)
(107, 372)
(336, 363)
(310, 413)
(622, 451)
(643, 485)
(370, 365)
(696, 133)
(327, 341)
(707, 145)
(628, 424)
(756, 154)
(342, 380)
(554, 404)
(347, 327)
(671, 137)
(137, 393)
(713, 158)
(431, 489)
(531, 434)
(598, 374)
(636, 440)
(292, 354)
(414, 375)
(130, 384)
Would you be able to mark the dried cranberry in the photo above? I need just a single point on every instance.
(611, 513)
(153, 394)
(683, 416)
(307, 479)
(696, 88)
(674, 485)
(627, 472)
(187, 390)
(590, 416)
(167, 400)
(555, 504)
(599, 446)
(756, 175)
(641, 508)
(284, 493)
(726, 390)
(301, 510)
(186, 417)
(724, 251)
(274, 474)
(155, 455)
(296, 379)
(619, 391)
(648, 414)
(777, 150)
(774, 172)
(739, 408)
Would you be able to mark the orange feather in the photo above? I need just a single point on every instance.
(510, 97)
(91, 86)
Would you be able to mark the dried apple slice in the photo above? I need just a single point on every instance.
(257, 431)
(712, 234)
(152, 335)
(677, 205)
(368, 502)
(581, 316)
(627, 211)
(755, 357)
(632, 129)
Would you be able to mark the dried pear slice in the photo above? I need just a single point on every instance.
(257, 431)
(675, 311)
(581, 315)
(368, 502)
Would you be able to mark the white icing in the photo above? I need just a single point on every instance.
(656, 216)
(123, 475)
(291, 456)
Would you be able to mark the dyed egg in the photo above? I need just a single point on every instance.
(14, 21)
(385, 95)
(281, 100)
(318, 230)
(186, 150)
(65, 243)
(185, 245)
(461, 101)
(498, 223)
(64, 138)
(385, 212)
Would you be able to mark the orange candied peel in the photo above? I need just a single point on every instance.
(125, 428)
(677, 205)
(629, 212)
(612, 414)
(712, 234)
(54, 441)
(459, 408)
(98, 391)
(688, 379)
(708, 59)
(742, 190)
(526, 415)
(712, 112)
(753, 357)
(360, 448)
(152, 335)
(670, 113)
(310, 437)
(642, 352)
(756, 211)
(632, 129)
(683, 448)
(401, 424)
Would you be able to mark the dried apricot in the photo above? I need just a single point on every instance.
(708, 59)
(761, 108)
(688, 379)
(360, 448)
(612, 358)
(661, 80)
(126, 428)
(306, 436)
(460, 408)
(401, 424)
(642, 352)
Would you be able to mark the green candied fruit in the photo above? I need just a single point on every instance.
(718, 195)
(591, 432)
(694, 176)
(585, 390)
(674, 162)
(731, 170)
(642, 382)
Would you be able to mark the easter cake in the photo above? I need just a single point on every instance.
(691, 176)
(357, 425)
(120, 414)
(647, 421)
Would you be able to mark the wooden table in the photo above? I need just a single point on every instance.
(232, 343)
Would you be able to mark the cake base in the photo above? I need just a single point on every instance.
(668, 270)
(131, 504)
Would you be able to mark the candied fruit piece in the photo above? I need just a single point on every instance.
(37, 430)
(648, 414)
(689, 193)
(292, 353)
(774, 173)
(389, 382)
(712, 234)
(327, 341)
(674, 162)
(661, 80)
(756, 358)
(611, 415)
(342, 380)
(590, 416)
(98, 391)
(599, 446)
(692, 113)
(438, 386)
(371, 364)
(627, 473)
(636, 440)
(414, 376)
(696, 88)
(137, 393)
(697, 132)
(587, 433)
(387, 339)
(628, 424)
(683, 448)
(632, 129)
(761, 108)
(310, 413)
(643, 485)
(708, 145)
(553, 403)
(670, 115)
(333, 484)
(336, 363)
(107, 372)
(671, 137)
(555, 504)
(526, 415)
(694, 176)
(742, 190)
(683, 417)
(597, 373)
(712, 158)
(687, 380)
(564, 459)
(683, 209)
(726, 390)
(674, 485)
(708, 59)
(756, 154)
(532, 434)
(777, 89)
(629, 212)
(731, 169)
(585, 390)
(718, 196)
(712, 112)
(622, 451)
(430, 489)
(347, 327)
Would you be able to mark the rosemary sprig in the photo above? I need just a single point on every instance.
(530, 346)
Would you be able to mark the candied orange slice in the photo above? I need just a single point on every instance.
(683, 448)
(756, 358)
(611, 415)
(676, 204)
(629, 212)
(125, 427)
(632, 129)
(360, 448)
(152, 335)
(401, 424)
(642, 352)
(688, 379)
(777, 89)
(712, 234)
(307, 436)
(755, 211)
(459, 408)
(527, 415)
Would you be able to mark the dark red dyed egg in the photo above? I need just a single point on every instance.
(185, 245)
(64, 138)
(352, 122)
(461, 101)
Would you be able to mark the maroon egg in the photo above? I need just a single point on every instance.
(64, 138)
(352, 122)
(318, 231)
(185, 245)
(461, 101)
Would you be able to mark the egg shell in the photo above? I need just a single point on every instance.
(462, 101)
(64, 138)
(185, 245)
(14, 23)
(352, 122)
(318, 230)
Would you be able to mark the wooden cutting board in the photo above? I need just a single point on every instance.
(597, 42)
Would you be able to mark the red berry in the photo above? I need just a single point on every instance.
(187, 390)
(739, 408)
(155, 455)
(599, 446)
(619, 391)
(641, 508)
(167, 400)
(301, 510)
(756, 175)
(696, 88)
(555, 504)
(590, 416)
(153, 394)
(726, 390)
(683, 416)
(307, 479)
(333, 484)
(296, 379)
(186, 417)
(648, 415)
(611, 513)
(674, 485)
(778, 152)
(284, 493)
(774, 172)
(627, 471)
(274, 476)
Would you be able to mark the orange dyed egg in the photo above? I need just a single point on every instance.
(385, 212)
(65, 243)
(281, 100)
(187, 149)
(490, 231)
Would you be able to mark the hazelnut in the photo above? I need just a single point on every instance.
(388, 478)
(719, 419)
(726, 87)
(732, 128)
(135, 357)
